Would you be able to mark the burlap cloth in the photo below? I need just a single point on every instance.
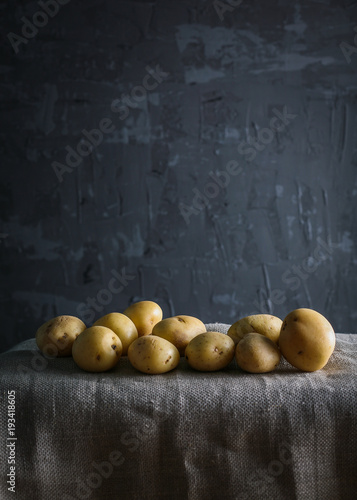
(182, 435)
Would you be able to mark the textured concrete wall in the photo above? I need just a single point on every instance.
(195, 193)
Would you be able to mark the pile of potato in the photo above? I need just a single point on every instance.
(154, 345)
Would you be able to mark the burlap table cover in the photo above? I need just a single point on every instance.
(182, 435)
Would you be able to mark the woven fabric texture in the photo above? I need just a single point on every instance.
(182, 435)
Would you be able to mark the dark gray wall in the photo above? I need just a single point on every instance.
(279, 231)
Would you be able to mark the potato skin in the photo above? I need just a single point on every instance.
(210, 351)
(144, 314)
(265, 324)
(179, 330)
(153, 355)
(122, 326)
(255, 353)
(97, 349)
(307, 339)
(56, 336)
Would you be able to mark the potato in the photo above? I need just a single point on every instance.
(265, 324)
(307, 339)
(210, 351)
(255, 353)
(97, 349)
(56, 336)
(144, 315)
(122, 326)
(151, 354)
(179, 330)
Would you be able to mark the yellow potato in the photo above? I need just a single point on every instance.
(179, 330)
(122, 326)
(97, 349)
(265, 324)
(255, 353)
(210, 351)
(56, 336)
(144, 315)
(153, 355)
(307, 339)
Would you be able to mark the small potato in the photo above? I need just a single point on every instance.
(97, 349)
(255, 353)
(122, 326)
(307, 339)
(179, 330)
(144, 315)
(153, 355)
(56, 336)
(210, 351)
(265, 324)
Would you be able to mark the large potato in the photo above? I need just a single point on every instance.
(122, 326)
(56, 336)
(144, 315)
(153, 355)
(307, 339)
(265, 324)
(210, 351)
(97, 349)
(255, 353)
(179, 330)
